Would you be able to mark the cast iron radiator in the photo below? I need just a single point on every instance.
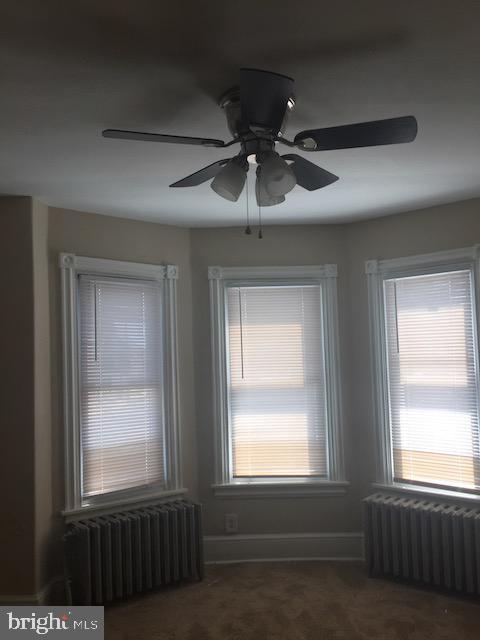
(423, 541)
(117, 555)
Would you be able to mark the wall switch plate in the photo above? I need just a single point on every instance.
(231, 523)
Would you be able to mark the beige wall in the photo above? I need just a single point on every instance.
(17, 571)
(349, 246)
(435, 229)
(287, 245)
(99, 236)
(31, 435)
(45, 552)
(31, 402)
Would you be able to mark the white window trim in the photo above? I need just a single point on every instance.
(71, 266)
(377, 271)
(224, 485)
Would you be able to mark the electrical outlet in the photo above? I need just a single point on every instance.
(231, 523)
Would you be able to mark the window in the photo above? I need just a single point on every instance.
(119, 375)
(276, 378)
(276, 386)
(430, 373)
(121, 389)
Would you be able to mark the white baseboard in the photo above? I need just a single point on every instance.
(283, 547)
(42, 597)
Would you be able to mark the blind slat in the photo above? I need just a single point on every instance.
(121, 405)
(276, 382)
(432, 368)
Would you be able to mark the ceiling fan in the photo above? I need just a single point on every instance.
(257, 112)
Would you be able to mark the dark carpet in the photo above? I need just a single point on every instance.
(294, 601)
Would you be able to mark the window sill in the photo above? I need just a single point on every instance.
(429, 492)
(280, 489)
(93, 510)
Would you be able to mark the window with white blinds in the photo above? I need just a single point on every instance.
(121, 384)
(433, 379)
(276, 386)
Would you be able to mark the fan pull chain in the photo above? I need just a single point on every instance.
(248, 230)
(260, 233)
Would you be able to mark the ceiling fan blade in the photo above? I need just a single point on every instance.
(201, 176)
(362, 134)
(119, 134)
(263, 99)
(309, 175)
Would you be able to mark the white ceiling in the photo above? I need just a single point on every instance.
(68, 70)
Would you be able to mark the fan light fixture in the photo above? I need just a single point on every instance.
(277, 176)
(264, 199)
(230, 180)
(257, 112)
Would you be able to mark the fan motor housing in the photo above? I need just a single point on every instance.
(230, 103)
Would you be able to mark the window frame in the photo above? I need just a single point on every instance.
(377, 272)
(71, 267)
(224, 484)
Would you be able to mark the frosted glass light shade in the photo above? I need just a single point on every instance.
(264, 199)
(229, 182)
(277, 175)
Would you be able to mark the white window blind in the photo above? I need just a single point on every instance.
(121, 398)
(276, 390)
(432, 371)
